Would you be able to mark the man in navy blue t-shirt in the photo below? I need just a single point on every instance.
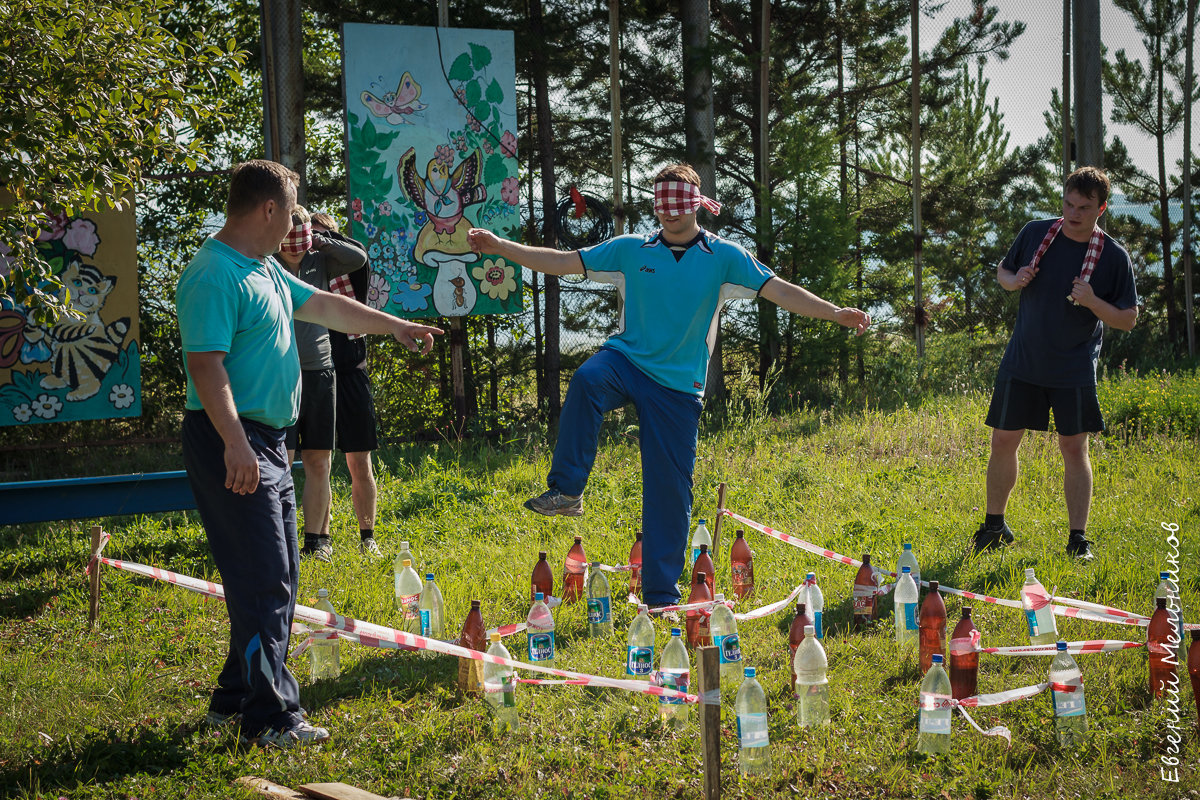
(672, 285)
(1073, 281)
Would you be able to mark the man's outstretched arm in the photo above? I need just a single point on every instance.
(538, 259)
(791, 297)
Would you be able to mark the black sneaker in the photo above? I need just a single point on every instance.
(1079, 547)
(991, 538)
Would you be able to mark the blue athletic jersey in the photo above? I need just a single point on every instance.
(669, 309)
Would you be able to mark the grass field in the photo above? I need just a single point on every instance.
(117, 713)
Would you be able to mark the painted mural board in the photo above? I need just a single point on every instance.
(87, 366)
(432, 152)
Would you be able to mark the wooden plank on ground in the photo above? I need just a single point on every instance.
(338, 791)
(271, 790)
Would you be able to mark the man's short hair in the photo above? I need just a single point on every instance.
(325, 221)
(678, 172)
(255, 182)
(1089, 182)
(300, 215)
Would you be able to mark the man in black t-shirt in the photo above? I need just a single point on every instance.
(1073, 281)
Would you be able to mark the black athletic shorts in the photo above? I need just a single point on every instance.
(1017, 405)
(318, 403)
(356, 412)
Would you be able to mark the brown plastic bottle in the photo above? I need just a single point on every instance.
(474, 636)
(1158, 645)
(865, 606)
(635, 561)
(543, 578)
(1193, 667)
(573, 572)
(697, 620)
(932, 627)
(704, 564)
(964, 667)
(741, 561)
(796, 636)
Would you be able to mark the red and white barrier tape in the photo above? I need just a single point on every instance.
(966, 646)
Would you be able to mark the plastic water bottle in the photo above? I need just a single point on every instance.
(324, 657)
(909, 559)
(1042, 628)
(800, 623)
(635, 563)
(539, 632)
(741, 562)
(704, 563)
(754, 748)
(866, 606)
(906, 608)
(472, 636)
(499, 687)
(812, 683)
(1168, 589)
(542, 579)
(573, 572)
(1193, 663)
(933, 724)
(599, 604)
(398, 562)
(698, 631)
(432, 609)
(1066, 693)
(408, 596)
(639, 655)
(964, 664)
(932, 627)
(1158, 644)
(701, 536)
(815, 603)
(723, 628)
(675, 672)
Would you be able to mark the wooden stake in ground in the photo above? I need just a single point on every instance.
(710, 719)
(94, 578)
(716, 545)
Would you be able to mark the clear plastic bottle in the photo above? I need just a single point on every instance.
(599, 604)
(1066, 694)
(408, 597)
(815, 603)
(906, 609)
(723, 628)
(812, 684)
(639, 654)
(499, 687)
(432, 610)
(933, 723)
(701, 536)
(324, 655)
(1038, 613)
(754, 747)
(539, 632)
(909, 559)
(675, 670)
(398, 563)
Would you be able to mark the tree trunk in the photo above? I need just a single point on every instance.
(545, 138)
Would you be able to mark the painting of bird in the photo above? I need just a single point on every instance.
(443, 195)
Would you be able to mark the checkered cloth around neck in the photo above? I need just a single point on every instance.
(341, 285)
(676, 198)
(299, 239)
(1090, 259)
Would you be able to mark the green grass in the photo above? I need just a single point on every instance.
(116, 713)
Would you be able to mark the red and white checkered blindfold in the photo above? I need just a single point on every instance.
(676, 198)
(299, 239)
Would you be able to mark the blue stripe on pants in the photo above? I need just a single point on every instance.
(253, 542)
(669, 422)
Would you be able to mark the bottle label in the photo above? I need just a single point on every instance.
(426, 627)
(674, 680)
(910, 617)
(752, 730)
(639, 660)
(729, 648)
(508, 694)
(541, 646)
(695, 555)
(820, 631)
(1069, 703)
(408, 604)
(935, 722)
(743, 574)
(1031, 618)
(599, 609)
(864, 601)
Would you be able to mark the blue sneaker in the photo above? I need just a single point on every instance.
(553, 502)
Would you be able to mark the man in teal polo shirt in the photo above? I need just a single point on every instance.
(236, 306)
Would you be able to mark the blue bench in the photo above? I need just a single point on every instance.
(88, 498)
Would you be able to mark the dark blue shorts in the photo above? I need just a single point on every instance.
(1017, 405)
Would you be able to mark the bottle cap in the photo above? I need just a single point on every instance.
(403, 544)
(474, 605)
(701, 577)
(906, 570)
(703, 522)
(1029, 572)
(495, 636)
(933, 586)
(812, 576)
(1062, 646)
(966, 611)
(428, 576)
(810, 630)
(741, 535)
(703, 548)
(1162, 576)
(866, 558)
(675, 631)
(1160, 602)
(539, 597)
(578, 540)
(595, 565)
(908, 546)
(937, 658)
(541, 555)
(643, 607)
(720, 598)
(406, 562)
(322, 593)
(748, 672)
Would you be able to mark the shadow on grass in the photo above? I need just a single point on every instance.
(26, 603)
(402, 674)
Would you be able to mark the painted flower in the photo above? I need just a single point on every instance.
(121, 395)
(358, 216)
(81, 237)
(47, 406)
(398, 237)
(374, 251)
(388, 252)
(378, 291)
(384, 208)
(508, 144)
(356, 204)
(53, 227)
(445, 155)
(414, 296)
(371, 230)
(496, 278)
(487, 147)
(23, 412)
(461, 94)
(474, 123)
(420, 218)
(509, 191)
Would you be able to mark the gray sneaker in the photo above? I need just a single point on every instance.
(215, 719)
(369, 548)
(323, 552)
(298, 735)
(553, 502)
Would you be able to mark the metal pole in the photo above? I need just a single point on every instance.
(283, 87)
(764, 99)
(1188, 88)
(918, 295)
(614, 81)
(1089, 123)
(1066, 90)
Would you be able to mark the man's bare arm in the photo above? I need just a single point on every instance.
(538, 259)
(343, 314)
(797, 300)
(212, 386)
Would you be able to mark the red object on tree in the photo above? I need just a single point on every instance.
(543, 578)
(704, 564)
(635, 563)
(933, 627)
(579, 202)
(697, 620)
(796, 636)
(865, 606)
(741, 561)
(1158, 645)
(964, 667)
(573, 572)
